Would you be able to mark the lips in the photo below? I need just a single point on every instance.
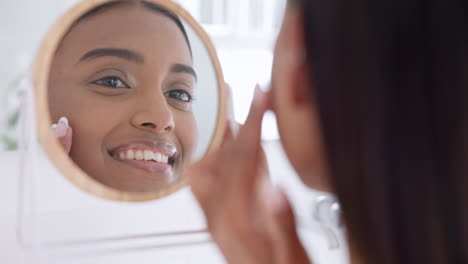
(155, 157)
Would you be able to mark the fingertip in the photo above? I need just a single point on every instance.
(61, 130)
(259, 94)
(257, 91)
(257, 107)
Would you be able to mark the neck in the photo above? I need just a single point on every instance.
(355, 255)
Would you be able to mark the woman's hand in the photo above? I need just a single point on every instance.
(63, 132)
(251, 222)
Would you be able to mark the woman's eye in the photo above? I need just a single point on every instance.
(180, 95)
(111, 81)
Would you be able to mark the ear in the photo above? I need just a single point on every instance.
(296, 63)
(294, 104)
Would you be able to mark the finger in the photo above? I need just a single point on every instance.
(244, 155)
(63, 132)
(250, 131)
(233, 125)
(230, 132)
(61, 128)
(263, 165)
(67, 140)
(203, 182)
(266, 87)
(281, 224)
(268, 100)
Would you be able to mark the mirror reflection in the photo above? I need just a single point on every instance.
(132, 98)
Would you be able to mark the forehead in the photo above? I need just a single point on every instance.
(131, 27)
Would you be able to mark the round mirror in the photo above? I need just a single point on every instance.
(129, 93)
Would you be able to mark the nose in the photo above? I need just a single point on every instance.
(157, 118)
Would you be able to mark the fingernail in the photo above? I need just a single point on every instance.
(62, 127)
(64, 120)
(54, 126)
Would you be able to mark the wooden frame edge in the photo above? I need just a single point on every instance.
(54, 150)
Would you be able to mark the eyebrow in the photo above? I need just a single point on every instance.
(182, 68)
(134, 57)
(121, 53)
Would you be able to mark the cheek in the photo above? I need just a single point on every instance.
(60, 102)
(91, 123)
(96, 121)
(187, 132)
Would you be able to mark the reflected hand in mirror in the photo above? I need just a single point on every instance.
(64, 133)
(121, 90)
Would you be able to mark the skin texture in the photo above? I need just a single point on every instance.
(112, 101)
(251, 221)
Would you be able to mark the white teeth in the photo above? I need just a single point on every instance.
(158, 157)
(139, 155)
(148, 155)
(130, 154)
(143, 155)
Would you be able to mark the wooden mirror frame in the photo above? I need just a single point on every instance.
(52, 147)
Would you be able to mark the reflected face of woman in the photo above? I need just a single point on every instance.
(124, 79)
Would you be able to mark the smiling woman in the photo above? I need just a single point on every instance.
(122, 88)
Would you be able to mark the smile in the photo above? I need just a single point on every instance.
(155, 158)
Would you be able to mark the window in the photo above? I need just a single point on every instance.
(243, 32)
